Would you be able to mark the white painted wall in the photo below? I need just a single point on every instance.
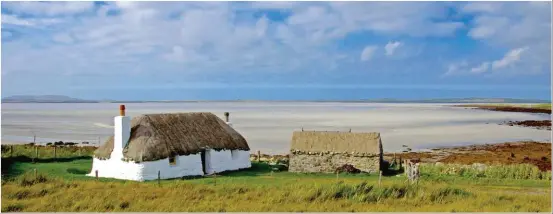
(121, 134)
(241, 159)
(189, 165)
(225, 160)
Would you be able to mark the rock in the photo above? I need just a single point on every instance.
(347, 168)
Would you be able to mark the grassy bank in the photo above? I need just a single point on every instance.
(62, 186)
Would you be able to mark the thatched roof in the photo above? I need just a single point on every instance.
(337, 142)
(158, 136)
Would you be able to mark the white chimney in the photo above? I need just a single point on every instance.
(227, 115)
(122, 132)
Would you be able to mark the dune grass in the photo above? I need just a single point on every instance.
(62, 186)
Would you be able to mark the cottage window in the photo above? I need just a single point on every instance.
(173, 160)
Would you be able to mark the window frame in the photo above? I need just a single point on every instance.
(174, 162)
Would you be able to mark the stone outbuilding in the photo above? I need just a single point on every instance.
(321, 151)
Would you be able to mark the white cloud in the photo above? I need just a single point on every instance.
(280, 5)
(481, 7)
(49, 8)
(182, 37)
(368, 52)
(510, 58)
(14, 20)
(456, 68)
(481, 68)
(8, 19)
(63, 38)
(511, 25)
(391, 47)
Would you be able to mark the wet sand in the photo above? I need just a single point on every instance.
(268, 126)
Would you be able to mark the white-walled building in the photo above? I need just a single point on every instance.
(173, 145)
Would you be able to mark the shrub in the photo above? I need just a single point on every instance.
(13, 208)
(518, 171)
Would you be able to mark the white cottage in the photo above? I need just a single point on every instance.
(173, 145)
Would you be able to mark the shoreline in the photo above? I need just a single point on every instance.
(509, 108)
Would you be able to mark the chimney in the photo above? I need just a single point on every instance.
(122, 132)
(227, 119)
(121, 110)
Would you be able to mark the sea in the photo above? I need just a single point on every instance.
(268, 126)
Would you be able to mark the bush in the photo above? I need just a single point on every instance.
(518, 171)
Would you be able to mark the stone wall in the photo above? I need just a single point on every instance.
(327, 163)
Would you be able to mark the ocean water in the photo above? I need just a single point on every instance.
(268, 126)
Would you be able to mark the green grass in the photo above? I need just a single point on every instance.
(542, 106)
(60, 185)
(515, 171)
(46, 152)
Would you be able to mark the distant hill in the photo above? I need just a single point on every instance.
(44, 99)
(66, 99)
(461, 100)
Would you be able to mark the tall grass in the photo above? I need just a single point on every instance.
(46, 152)
(516, 171)
(42, 193)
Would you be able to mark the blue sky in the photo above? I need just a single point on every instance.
(277, 50)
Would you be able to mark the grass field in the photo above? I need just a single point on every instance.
(61, 186)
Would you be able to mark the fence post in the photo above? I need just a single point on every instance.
(55, 152)
(258, 156)
(215, 177)
(96, 172)
(159, 177)
(36, 175)
(380, 179)
(36, 154)
(11, 151)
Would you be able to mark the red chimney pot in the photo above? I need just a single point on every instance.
(122, 110)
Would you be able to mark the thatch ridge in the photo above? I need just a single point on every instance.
(158, 136)
(338, 142)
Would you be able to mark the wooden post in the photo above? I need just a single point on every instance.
(11, 151)
(159, 177)
(55, 152)
(258, 156)
(380, 179)
(36, 175)
(36, 154)
(215, 177)
(96, 172)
